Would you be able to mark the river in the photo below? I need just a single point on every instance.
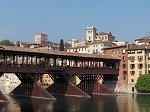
(98, 103)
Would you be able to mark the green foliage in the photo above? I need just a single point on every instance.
(143, 102)
(143, 84)
(61, 45)
(73, 80)
(6, 42)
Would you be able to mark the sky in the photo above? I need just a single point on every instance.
(20, 20)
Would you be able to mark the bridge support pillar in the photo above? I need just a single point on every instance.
(29, 87)
(2, 96)
(110, 81)
(62, 86)
(89, 84)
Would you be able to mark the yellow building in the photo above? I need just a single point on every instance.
(138, 64)
(46, 80)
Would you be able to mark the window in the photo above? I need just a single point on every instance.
(132, 52)
(123, 51)
(132, 58)
(113, 51)
(145, 65)
(124, 65)
(132, 72)
(140, 58)
(89, 32)
(139, 51)
(93, 50)
(140, 72)
(140, 66)
(124, 72)
(123, 58)
(132, 66)
(89, 38)
(132, 80)
(96, 50)
(133, 88)
(124, 78)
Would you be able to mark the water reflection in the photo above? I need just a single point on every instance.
(31, 104)
(61, 104)
(143, 102)
(68, 103)
(98, 103)
(3, 107)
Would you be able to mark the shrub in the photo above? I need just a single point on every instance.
(143, 84)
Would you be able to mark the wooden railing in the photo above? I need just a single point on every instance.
(22, 68)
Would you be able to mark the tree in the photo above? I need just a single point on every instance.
(61, 45)
(6, 42)
(73, 80)
(143, 84)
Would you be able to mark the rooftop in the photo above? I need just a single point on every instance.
(139, 47)
(54, 52)
(143, 38)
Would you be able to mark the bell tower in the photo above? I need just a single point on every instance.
(90, 34)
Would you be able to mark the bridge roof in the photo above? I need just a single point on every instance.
(54, 52)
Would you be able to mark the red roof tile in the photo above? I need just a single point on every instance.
(54, 52)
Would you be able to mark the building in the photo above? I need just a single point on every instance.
(142, 40)
(121, 52)
(134, 62)
(9, 81)
(79, 49)
(41, 39)
(97, 47)
(120, 43)
(93, 36)
(91, 48)
(93, 42)
(46, 80)
(138, 63)
(73, 42)
(22, 44)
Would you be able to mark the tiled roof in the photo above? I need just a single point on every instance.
(26, 43)
(54, 52)
(101, 42)
(115, 47)
(76, 47)
(138, 47)
(143, 38)
(103, 33)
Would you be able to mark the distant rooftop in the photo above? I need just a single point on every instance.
(143, 38)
